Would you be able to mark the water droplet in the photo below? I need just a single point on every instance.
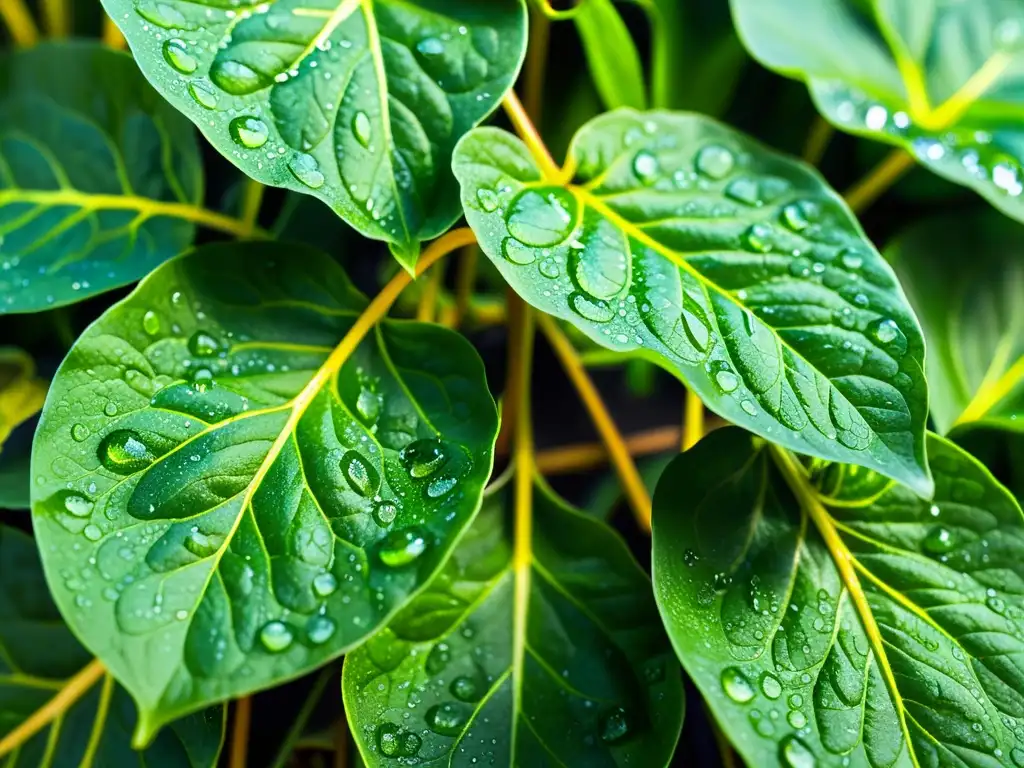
(363, 478)
(438, 659)
(430, 46)
(276, 636)
(715, 161)
(795, 754)
(645, 166)
(236, 78)
(465, 689)
(161, 14)
(736, 686)
(488, 199)
(361, 128)
(80, 432)
(517, 253)
(796, 718)
(305, 169)
(76, 504)
(203, 344)
(324, 584)
(723, 376)
(1017, 755)
(939, 541)
(424, 458)
(93, 532)
(886, 332)
(876, 117)
(851, 259)
(392, 741)
(770, 686)
(749, 408)
(124, 453)
(614, 726)
(250, 132)
(800, 215)
(319, 629)
(542, 218)
(597, 311)
(401, 548)
(151, 323)
(201, 545)
(446, 719)
(745, 190)
(176, 54)
(203, 93)
(441, 486)
(758, 238)
(384, 513)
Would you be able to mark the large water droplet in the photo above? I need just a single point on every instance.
(324, 584)
(124, 453)
(80, 432)
(542, 218)
(393, 741)
(248, 131)
(438, 659)
(151, 323)
(430, 46)
(645, 166)
(939, 540)
(176, 54)
(361, 128)
(888, 334)
(796, 718)
(746, 190)
(305, 169)
(363, 478)
(424, 458)
(758, 238)
(795, 754)
(161, 14)
(446, 719)
(465, 689)
(201, 545)
(517, 252)
(93, 532)
(319, 629)
(723, 376)
(800, 215)
(597, 311)
(614, 726)
(76, 504)
(851, 259)
(236, 78)
(488, 199)
(715, 161)
(203, 344)
(276, 636)
(384, 513)
(441, 486)
(401, 548)
(770, 686)
(203, 93)
(736, 686)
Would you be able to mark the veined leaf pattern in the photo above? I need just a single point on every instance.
(846, 622)
(358, 102)
(733, 267)
(249, 499)
(95, 172)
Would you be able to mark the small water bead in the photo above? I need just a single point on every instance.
(614, 726)
(325, 584)
(201, 545)
(430, 46)
(236, 78)
(885, 331)
(305, 169)
(250, 132)
(715, 161)
(645, 166)
(80, 432)
(723, 376)
(361, 128)
(597, 311)
(736, 686)
(93, 532)
(488, 199)
(770, 686)
(876, 117)
(746, 191)
(438, 659)
(124, 453)
(749, 408)
(160, 13)
(319, 629)
(851, 259)
(796, 718)
(518, 253)
(541, 218)
(795, 754)
(758, 238)
(800, 215)
(176, 54)
(151, 323)
(203, 94)
(424, 458)
(364, 479)
(401, 548)
(939, 540)
(549, 268)
(203, 344)
(446, 719)
(441, 486)
(393, 741)
(465, 689)
(384, 513)
(796, 700)
(276, 636)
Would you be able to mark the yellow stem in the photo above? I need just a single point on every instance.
(19, 23)
(582, 457)
(341, 743)
(99, 723)
(817, 140)
(73, 690)
(625, 467)
(528, 133)
(427, 310)
(112, 36)
(252, 199)
(557, 15)
(56, 18)
(885, 174)
(953, 108)
(536, 63)
(465, 282)
(515, 307)
(240, 733)
(988, 396)
(693, 421)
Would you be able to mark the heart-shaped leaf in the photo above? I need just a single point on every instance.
(559, 661)
(840, 619)
(940, 79)
(972, 310)
(99, 176)
(251, 503)
(38, 654)
(733, 267)
(358, 102)
(21, 393)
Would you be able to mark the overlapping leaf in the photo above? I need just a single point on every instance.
(735, 268)
(358, 102)
(965, 277)
(854, 625)
(95, 169)
(38, 654)
(250, 502)
(940, 79)
(559, 661)
(21, 393)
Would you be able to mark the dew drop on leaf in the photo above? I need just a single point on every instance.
(361, 128)
(235, 78)
(438, 659)
(319, 630)
(736, 686)
(795, 754)
(384, 513)
(757, 238)
(430, 46)
(939, 540)
(465, 689)
(305, 169)
(176, 54)
(161, 14)
(596, 311)
(614, 726)
(151, 323)
(80, 432)
(325, 584)
(488, 199)
(203, 94)
(715, 161)
(401, 548)
(93, 532)
(446, 719)
(645, 166)
(201, 545)
(541, 218)
(364, 479)
(423, 458)
(124, 453)
(723, 376)
(746, 191)
(203, 344)
(249, 132)
(276, 636)
(770, 686)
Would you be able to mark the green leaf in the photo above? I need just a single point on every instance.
(254, 503)
(611, 55)
(21, 393)
(358, 102)
(735, 268)
(848, 624)
(939, 79)
(37, 656)
(972, 315)
(559, 662)
(99, 177)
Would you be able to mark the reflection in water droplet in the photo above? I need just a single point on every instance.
(465, 689)
(276, 636)
(886, 332)
(424, 458)
(161, 14)
(939, 540)
(93, 532)
(723, 376)
(361, 128)
(203, 93)
(430, 46)
(325, 584)
(305, 169)
(384, 513)
(597, 311)
(151, 323)
(795, 754)
(202, 344)
(248, 131)
(488, 199)
(80, 432)
(176, 54)
(446, 719)
(124, 453)
(438, 659)
(715, 161)
(201, 545)
(800, 215)
(770, 686)
(736, 686)
(441, 486)
(542, 218)
(614, 726)
(393, 741)
(758, 238)
(401, 548)
(236, 78)
(319, 630)
(645, 166)
(363, 478)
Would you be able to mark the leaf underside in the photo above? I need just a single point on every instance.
(915, 660)
(733, 267)
(247, 503)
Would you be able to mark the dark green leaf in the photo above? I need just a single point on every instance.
(98, 177)
(611, 55)
(940, 79)
(358, 102)
(38, 654)
(844, 621)
(733, 267)
(254, 502)
(559, 662)
(965, 276)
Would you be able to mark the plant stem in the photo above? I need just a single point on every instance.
(528, 133)
(99, 723)
(427, 310)
(240, 732)
(112, 36)
(56, 18)
(73, 690)
(252, 199)
(820, 135)
(582, 457)
(724, 747)
(693, 420)
(19, 23)
(625, 467)
(465, 282)
(536, 64)
(885, 174)
(302, 718)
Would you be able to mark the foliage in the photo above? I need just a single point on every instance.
(249, 384)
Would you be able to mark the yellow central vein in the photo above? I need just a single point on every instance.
(987, 397)
(334, 18)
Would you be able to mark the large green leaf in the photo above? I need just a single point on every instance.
(358, 102)
(97, 174)
(253, 504)
(939, 78)
(852, 624)
(733, 267)
(560, 662)
(21, 393)
(965, 277)
(38, 654)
